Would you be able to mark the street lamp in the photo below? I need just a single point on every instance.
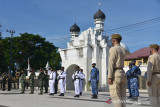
(11, 32)
(29, 68)
(47, 66)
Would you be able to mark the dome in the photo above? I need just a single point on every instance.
(75, 28)
(99, 15)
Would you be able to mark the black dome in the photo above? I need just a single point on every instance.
(75, 28)
(99, 15)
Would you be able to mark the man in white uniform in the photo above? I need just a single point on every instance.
(52, 77)
(82, 81)
(62, 81)
(76, 78)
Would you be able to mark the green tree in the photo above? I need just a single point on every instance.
(1, 54)
(31, 46)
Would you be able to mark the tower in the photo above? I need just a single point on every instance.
(74, 30)
(99, 18)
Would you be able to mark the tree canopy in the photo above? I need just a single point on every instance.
(34, 47)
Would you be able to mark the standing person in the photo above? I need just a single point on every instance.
(41, 79)
(46, 81)
(81, 81)
(76, 78)
(128, 74)
(134, 81)
(17, 75)
(94, 80)
(23, 81)
(52, 78)
(116, 74)
(9, 80)
(153, 76)
(4, 82)
(62, 81)
(56, 83)
(31, 81)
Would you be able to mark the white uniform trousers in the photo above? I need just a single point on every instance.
(62, 87)
(51, 86)
(77, 88)
(81, 85)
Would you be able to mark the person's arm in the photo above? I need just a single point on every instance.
(64, 75)
(83, 76)
(97, 74)
(139, 71)
(112, 58)
(150, 66)
(54, 76)
(73, 76)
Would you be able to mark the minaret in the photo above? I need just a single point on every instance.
(99, 18)
(74, 30)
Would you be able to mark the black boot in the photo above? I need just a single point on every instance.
(94, 96)
(76, 96)
(51, 94)
(62, 94)
(80, 93)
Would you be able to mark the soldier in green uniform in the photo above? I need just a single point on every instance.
(23, 81)
(4, 77)
(41, 80)
(9, 80)
(31, 81)
(46, 81)
(17, 78)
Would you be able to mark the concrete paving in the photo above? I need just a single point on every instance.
(14, 99)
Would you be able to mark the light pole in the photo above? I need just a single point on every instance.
(11, 32)
(47, 66)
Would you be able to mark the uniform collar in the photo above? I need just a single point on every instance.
(155, 53)
(117, 45)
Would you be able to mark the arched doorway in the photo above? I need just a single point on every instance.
(69, 83)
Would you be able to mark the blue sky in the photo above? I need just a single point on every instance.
(53, 18)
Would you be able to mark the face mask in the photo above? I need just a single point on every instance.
(112, 43)
(151, 52)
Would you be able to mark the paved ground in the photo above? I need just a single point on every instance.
(14, 99)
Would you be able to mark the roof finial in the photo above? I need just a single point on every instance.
(99, 4)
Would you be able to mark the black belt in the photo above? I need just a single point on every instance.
(93, 78)
(117, 68)
(62, 78)
(133, 77)
(155, 73)
(77, 78)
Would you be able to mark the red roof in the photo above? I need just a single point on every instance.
(141, 53)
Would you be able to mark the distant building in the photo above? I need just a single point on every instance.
(141, 57)
(90, 46)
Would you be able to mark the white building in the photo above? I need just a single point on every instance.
(90, 46)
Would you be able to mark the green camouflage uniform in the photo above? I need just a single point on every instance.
(46, 82)
(9, 80)
(31, 82)
(23, 81)
(40, 78)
